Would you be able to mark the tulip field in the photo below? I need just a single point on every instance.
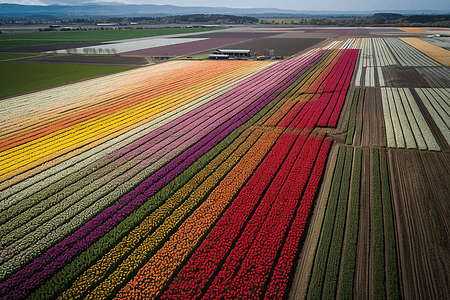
(309, 177)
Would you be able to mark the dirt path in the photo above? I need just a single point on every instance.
(373, 132)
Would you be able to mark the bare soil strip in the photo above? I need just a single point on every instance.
(373, 131)
(361, 106)
(435, 76)
(421, 209)
(404, 77)
(281, 47)
(364, 255)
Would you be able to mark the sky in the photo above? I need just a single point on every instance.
(335, 5)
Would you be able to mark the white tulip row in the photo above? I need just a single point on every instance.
(437, 102)
(366, 58)
(408, 56)
(383, 55)
(405, 124)
(370, 77)
(380, 76)
(352, 43)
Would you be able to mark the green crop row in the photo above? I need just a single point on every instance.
(320, 261)
(351, 239)
(334, 257)
(379, 278)
(352, 118)
(391, 253)
(345, 125)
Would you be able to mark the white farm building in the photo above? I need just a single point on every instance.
(231, 53)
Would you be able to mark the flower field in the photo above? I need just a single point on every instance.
(297, 178)
(132, 185)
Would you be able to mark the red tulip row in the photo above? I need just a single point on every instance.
(292, 114)
(260, 259)
(264, 222)
(331, 114)
(278, 283)
(336, 77)
(322, 73)
(340, 78)
(322, 110)
(205, 261)
(307, 117)
(322, 103)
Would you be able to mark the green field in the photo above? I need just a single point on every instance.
(18, 77)
(7, 56)
(43, 38)
(6, 44)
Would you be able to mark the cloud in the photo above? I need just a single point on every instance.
(24, 2)
(70, 2)
(316, 5)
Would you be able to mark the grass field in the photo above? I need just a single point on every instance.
(42, 38)
(28, 76)
(6, 44)
(7, 56)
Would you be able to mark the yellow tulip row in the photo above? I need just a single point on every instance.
(78, 135)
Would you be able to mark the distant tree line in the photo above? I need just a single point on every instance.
(198, 18)
(379, 19)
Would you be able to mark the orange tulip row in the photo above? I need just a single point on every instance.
(155, 274)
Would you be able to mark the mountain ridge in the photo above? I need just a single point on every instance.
(129, 10)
